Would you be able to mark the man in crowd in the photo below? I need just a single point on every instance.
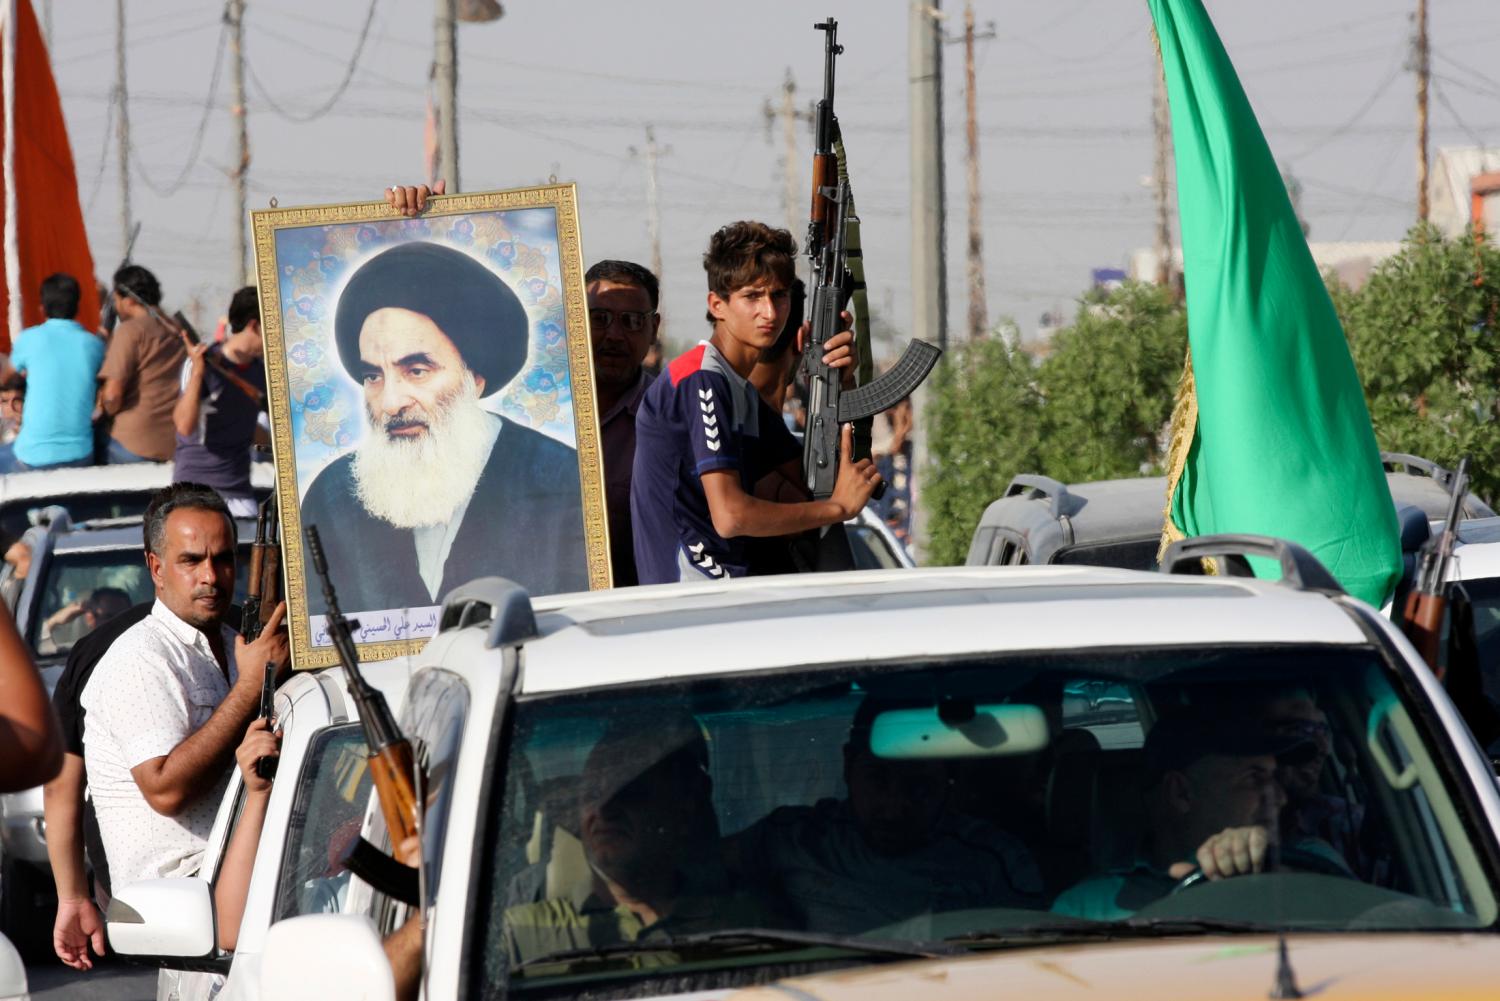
(12, 403)
(892, 850)
(440, 490)
(71, 823)
(215, 419)
(83, 616)
(705, 439)
(167, 704)
(623, 321)
(1212, 804)
(61, 362)
(141, 371)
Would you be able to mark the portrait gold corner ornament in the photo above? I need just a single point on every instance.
(432, 407)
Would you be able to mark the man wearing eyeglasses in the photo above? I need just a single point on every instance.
(623, 322)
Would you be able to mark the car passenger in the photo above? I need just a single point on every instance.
(892, 850)
(84, 616)
(1212, 803)
(646, 820)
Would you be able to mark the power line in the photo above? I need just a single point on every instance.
(1443, 100)
(326, 106)
(197, 145)
(1353, 119)
(96, 185)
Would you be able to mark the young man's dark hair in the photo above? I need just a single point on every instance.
(244, 307)
(626, 273)
(744, 253)
(141, 283)
(179, 496)
(14, 383)
(60, 296)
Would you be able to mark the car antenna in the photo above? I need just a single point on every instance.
(1286, 980)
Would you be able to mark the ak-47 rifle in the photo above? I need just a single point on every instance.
(391, 761)
(179, 325)
(263, 592)
(835, 269)
(1427, 602)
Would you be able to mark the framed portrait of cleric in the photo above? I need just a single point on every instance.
(432, 407)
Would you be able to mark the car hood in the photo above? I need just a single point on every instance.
(1329, 967)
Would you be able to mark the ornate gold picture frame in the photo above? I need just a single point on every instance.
(432, 407)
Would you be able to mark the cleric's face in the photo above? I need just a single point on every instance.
(409, 369)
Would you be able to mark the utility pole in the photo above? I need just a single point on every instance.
(122, 130)
(236, 16)
(1162, 122)
(445, 77)
(793, 197)
(653, 203)
(929, 271)
(47, 23)
(1424, 68)
(979, 322)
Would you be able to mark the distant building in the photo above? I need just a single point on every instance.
(1450, 188)
(1351, 261)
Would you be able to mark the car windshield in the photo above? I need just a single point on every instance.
(85, 589)
(707, 831)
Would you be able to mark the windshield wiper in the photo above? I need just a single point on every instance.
(1080, 928)
(732, 938)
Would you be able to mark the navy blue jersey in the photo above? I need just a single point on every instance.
(700, 418)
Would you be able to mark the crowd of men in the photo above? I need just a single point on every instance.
(702, 475)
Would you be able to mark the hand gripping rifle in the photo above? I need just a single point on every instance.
(1427, 602)
(835, 261)
(391, 766)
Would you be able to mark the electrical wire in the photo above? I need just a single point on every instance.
(1443, 100)
(95, 185)
(168, 190)
(1353, 119)
(333, 99)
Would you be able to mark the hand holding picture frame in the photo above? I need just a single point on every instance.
(432, 406)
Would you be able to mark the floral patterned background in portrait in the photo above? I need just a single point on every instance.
(521, 246)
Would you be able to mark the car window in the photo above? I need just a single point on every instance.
(1127, 554)
(871, 551)
(966, 800)
(329, 808)
(433, 715)
(84, 590)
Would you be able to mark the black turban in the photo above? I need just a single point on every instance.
(469, 303)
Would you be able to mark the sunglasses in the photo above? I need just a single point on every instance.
(633, 322)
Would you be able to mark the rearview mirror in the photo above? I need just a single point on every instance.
(959, 730)
(167, 919)
(319, 956)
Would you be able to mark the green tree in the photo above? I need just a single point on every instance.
(1423, 331)
(1109, 384)
(983, 420)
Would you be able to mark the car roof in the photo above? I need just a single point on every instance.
(641, 634)
(1134, 508)
(121, 533)
(46, 484)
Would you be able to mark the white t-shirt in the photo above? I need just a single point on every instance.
(156, 685)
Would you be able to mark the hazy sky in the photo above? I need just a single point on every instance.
(567, 87)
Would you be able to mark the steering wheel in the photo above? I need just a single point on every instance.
(1300, 859)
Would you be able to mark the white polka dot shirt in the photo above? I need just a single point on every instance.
(156, 685)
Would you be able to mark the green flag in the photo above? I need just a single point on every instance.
(1271, 435)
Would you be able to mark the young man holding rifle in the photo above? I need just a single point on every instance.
(714, 464)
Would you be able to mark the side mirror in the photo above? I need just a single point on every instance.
(320, 956)
(12, 971)
(170, 920)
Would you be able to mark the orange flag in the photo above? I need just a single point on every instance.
(42, 219)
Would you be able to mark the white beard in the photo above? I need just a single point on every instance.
(425, 480)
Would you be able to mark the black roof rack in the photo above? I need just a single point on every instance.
(1415, 463)
(1039, 486)
(502, 603)
(1299, 568)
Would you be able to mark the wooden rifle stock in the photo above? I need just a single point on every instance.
(392, 764)
(1423, 621)
(1427, 603)
(263, 590)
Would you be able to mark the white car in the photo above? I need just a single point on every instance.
(687, 789)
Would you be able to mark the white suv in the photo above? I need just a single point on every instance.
(691, 788)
